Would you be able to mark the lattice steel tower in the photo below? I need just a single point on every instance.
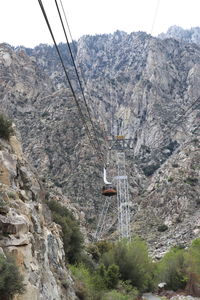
(122, 197)
(118, 146)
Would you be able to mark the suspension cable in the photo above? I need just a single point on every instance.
(68, 27)
(81, 73)
(104, 133)
(155, 16)
(68, 80)
(186, 111)
(78, 77)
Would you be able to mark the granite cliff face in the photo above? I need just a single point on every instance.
(27, 231)
(153, 87)
(142, 87)
(61, 152)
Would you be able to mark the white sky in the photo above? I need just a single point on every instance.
(22, 22)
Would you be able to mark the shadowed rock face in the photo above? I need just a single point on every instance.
(148, 88)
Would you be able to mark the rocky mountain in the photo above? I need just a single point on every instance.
(142, 87)
(30, 98)
(26, 228)
(184, 35)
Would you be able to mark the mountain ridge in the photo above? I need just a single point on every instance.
(151, 85)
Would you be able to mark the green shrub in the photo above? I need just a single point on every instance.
(175, 165)
(88, 285)
(112, 276)
(94, 251)
(162, 228)
(11, 194)
(172, 145)
(6, 129)
(172, 269)
(133, 262)
(191, 181)
(116, 295)
(11, 282)
(129, 289)
(98, 249)
(193, 268)
(72, 237)
(194, 257)
(104, 246)
(149, 170)
(170, 179)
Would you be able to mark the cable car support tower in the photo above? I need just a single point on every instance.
(122, 197)
(118, 145)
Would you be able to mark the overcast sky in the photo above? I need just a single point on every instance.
(22, 23)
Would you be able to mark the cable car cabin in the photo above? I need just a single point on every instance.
(109, 191)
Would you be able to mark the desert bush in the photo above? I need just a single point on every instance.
(93, 250)
(11, 281)
(191, 181)
(170, 179)
(104, 246)
(93, 285)
(88, 285)
(175, 165)
(162, 227)
(112, 276)
(149, 170)
(6, 129)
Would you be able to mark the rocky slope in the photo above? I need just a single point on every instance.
(142, 87)
(29, 96)
(184, 35)
(27, 231)
(169, 207)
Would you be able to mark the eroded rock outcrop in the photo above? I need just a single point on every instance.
(191, 35)
(27, 231)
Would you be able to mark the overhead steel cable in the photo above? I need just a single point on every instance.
(82, 77)
(68, 27)
(155, 16)
(67, 77)
(78, 77)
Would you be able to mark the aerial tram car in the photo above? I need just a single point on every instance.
(108, 189)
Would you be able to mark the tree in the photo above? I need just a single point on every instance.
(133, 262)
(71, 235)
(193, 269)
(11, 281)
(172, 269)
